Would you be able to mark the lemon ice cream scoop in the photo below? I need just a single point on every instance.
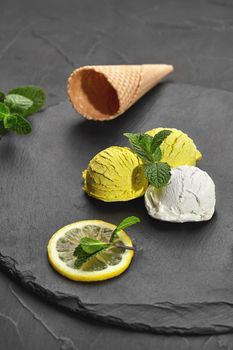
(178, 148)
(115, 174)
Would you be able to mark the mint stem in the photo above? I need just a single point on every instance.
(124, 247)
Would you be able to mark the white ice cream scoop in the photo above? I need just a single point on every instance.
(189, 196)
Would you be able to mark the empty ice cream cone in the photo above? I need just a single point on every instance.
(105, 92)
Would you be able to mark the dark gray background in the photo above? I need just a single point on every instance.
(40, 43)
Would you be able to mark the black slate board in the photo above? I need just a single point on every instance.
(181, 277)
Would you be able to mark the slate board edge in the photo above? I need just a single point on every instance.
(73, 304)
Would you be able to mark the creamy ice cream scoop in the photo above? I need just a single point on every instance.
(178, 148)
(115, 174)
(189, 196)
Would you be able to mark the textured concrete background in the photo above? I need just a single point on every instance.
(40, 43)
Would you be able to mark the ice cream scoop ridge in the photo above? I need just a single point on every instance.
(189, 196)
(178, 148)
(115, 174)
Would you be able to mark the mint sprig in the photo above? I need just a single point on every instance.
(90, 247)
(18, 104)
(148, 149)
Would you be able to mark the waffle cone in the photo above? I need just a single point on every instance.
(105, 92)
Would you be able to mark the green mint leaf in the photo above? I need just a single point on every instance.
(17, 124)
(140, 144)
(83, 257)
(4, 110)
(127, 222)
(79, 252)
(80, 261)
(157, 155)
(2, 96)
(159, 138)
(134, 140)
(33, 93)
(91, 246)
(145, 143)
(18, 103)
(9, 121)
(158, 174)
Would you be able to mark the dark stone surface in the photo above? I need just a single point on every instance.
(41, 42)
(89, 32)
(27, 323)
(185, 267)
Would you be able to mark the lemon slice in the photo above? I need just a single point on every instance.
(104, 265)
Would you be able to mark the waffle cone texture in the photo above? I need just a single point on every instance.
(105, 92)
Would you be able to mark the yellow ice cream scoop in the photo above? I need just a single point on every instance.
(115, 174)
(178, 148)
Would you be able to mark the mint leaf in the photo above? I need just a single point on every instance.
(33, 93)
(17, 124)
(80, 261)
(145, 143)
(83, 257)
(159, 138)
(127, 222)
(17, 103)
(2, 96)
(140, 144)
(4, 110)
(157, 155)
(91, 246)
(134, 140)
(9, 121)
(158, 174)
(79, 252)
